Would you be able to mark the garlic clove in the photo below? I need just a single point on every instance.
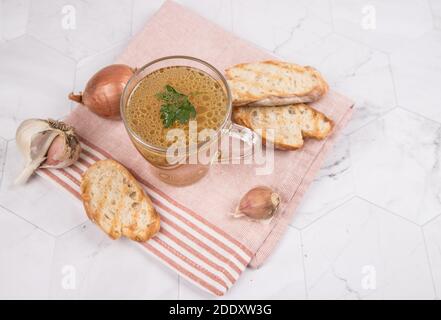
(259, 203)
(28, 170)
(25, 132)
(56, 152)
(39, 144)
(62, 153)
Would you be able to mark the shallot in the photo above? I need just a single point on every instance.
(103, 91)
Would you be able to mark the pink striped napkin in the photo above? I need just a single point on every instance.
(198, 237)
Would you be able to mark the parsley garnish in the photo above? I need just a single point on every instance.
(175, 107)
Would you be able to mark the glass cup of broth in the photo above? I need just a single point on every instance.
(207, 90)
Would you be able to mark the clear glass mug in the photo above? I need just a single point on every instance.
(185, 173)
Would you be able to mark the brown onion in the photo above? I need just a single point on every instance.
(103, 91)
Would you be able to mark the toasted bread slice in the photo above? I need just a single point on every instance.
(273, 83)
(291, 124)
(114, 201)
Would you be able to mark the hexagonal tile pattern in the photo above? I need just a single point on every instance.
(432, 233)
(416, 71)
(142, 12)
(279, 30)
(396, 164)
(13, 18)
(435, 5)
(25, 255)
(34, 82)
(38, 201)
(356, 70)
(319, 8)
(79, 29)
(308, 31)
(382, 24)
(332, 186)
(89, 265)
(281, 277)
(87, 67)
(217, 11)
(372, 255)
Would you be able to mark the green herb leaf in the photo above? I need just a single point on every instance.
(167, 115)
(175, 107)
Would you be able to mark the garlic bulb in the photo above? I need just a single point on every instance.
(258, 203)
(46, 144)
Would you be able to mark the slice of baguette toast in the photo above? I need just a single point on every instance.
(291, 124)
(273, 83)
(114, 201)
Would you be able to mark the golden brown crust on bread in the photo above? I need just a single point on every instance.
(271, 83)
(290, 124)
(115, 201)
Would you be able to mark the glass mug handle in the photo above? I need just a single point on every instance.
(242, 133)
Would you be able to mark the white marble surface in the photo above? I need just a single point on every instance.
(368, 228)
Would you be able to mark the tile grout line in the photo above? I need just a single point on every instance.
(280, 45)
(293, 227)
(19, 216)
(351, 167)
(3, 165)
(320, 18)
(341, 250)
(51, 280)
(5, 41)
(429, 3)
(350, 197)
(380, 117)
(391, 71)
(29, 222)
(303, 265)
(104, 51)
(53, 49)
(232, 16)
(388, 211)
(328, 213)
(72, 229)
(331, 7)
(418, 115)
(431, 220)
(360, 43)
(132, 7)
(429, 262)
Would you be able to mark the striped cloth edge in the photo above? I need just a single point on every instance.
(187, 243)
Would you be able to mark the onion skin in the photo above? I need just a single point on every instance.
(103, 91)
